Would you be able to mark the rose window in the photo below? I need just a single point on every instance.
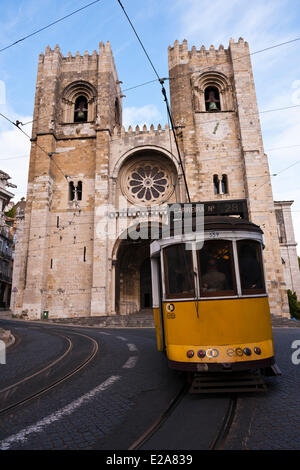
(148, 183)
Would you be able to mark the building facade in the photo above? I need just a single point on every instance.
(74, 260)
(7, 241)
(288, 245)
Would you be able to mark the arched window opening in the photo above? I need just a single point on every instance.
(79, 102)
(117, 113)
(212, 99)
(71, 191)
(216, 185)
(224, 184)
(75, 191)
(79, 191)
(81, 109)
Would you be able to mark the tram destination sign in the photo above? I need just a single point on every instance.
(236, 207)
(230, 207)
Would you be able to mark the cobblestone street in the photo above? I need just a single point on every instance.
(112, 401)
(272, 420)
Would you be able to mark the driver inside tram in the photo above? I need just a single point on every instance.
(213, 280)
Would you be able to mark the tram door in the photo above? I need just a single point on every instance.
(145, 284)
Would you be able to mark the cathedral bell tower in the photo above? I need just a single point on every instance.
(214, 107)
(78, 105)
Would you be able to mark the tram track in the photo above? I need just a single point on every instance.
(160, 420)
(46, 370)
(51, 364)
(220, 439)
(217, 443)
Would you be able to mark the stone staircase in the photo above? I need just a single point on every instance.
(278, 321)
(141, 319)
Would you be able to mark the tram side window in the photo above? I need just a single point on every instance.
(250, 264)
(179, 272)
(217, 276)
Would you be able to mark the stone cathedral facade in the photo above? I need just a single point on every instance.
(82, 160)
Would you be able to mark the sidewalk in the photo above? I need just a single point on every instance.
(5, 315)
(143, 319)
(284, 322)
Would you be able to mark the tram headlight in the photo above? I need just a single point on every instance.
(257, 350)
(201, 353)
(247, 351)
(190, 353)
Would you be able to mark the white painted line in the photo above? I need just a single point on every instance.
(122, 338)
(130, 363)
(132, 347)
(23, 435)
(103, 333)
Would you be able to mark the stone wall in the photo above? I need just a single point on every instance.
(67, 265)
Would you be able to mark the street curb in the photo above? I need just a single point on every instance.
(40, 322)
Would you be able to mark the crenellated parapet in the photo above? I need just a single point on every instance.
(102, 59)
(139, 131)
(63, 79)
(125, 142)
(180, 54)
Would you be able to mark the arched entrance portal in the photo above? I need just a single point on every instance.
(133, 277)
(145, 284)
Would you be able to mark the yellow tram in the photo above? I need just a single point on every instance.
(210, 305)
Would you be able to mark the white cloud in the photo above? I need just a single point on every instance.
(15, 146)
(282, 129)
(14, 152)
(262, 24)
(148, 114)
(217, 21)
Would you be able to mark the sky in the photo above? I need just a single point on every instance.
(262, 23)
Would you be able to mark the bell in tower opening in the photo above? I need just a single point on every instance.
(81, 109)
(212, 99)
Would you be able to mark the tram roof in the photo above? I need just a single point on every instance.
(229, 223)
(223, 223)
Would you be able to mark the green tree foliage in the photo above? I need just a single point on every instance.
(294, 304)
(11, 213)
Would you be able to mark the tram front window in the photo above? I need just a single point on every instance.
(216, 269)
(250, 264)
(179, 271)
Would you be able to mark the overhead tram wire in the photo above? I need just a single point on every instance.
(49, 25)
(150, 81)
(161, 81)
(204, 123)
(139, 40)
(49, 154)
(158, 79)
(71, 223)
(212, 67)
(277, 174)
(209, 67)
(91, 223)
